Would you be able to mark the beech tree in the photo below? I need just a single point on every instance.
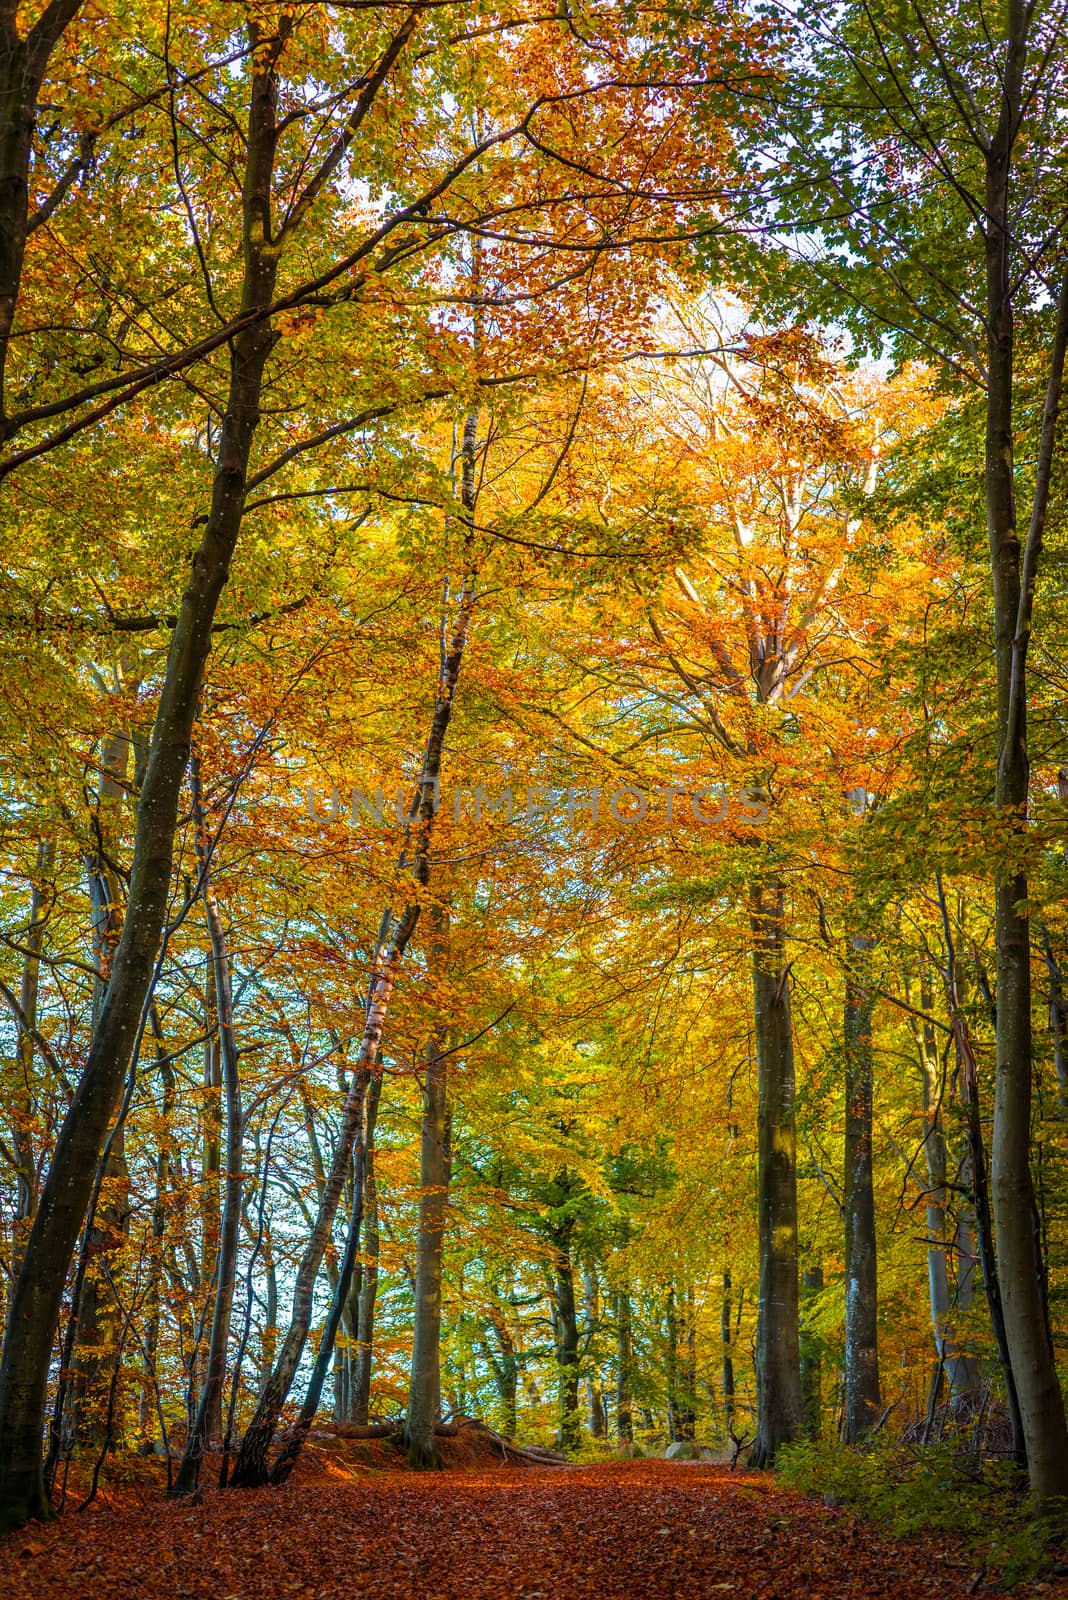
(913, 159)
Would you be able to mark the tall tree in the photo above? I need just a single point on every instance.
(918, 157)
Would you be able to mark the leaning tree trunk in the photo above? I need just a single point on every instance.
(38, 1291)
(862, 1397)
(290, 1453)
(207, 1423)
(780, 1415)
(250, 1466)
(424, 1386)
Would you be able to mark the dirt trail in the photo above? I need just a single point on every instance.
(626, 1531)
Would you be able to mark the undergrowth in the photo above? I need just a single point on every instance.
(938, 1488)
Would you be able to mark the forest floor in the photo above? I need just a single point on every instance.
(627, 1530)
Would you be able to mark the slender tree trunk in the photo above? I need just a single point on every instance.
(624, 1367)
(863, 1403)
(671, 1365)
(565, 1327)
(365, 1313)
(686, 1369)
(934, 1146)
(424, 1385)
(504, 1365)
(595, 1406)
(269, 1333)
(96, 1314)
(209, 1411)
(1058, 1017)
(985, 1232)
(780, 1415)
(726, 1352)
(250, 1468)
(208, 1195)
(38, 1290)
(811, 1357)
(148, 1406)
(290, 1452)
(42, 899)
(965, 1370)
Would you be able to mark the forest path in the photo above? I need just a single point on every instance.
(640, 1530)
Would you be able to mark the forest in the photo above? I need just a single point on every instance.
(534, 801)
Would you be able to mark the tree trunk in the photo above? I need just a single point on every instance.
(811, 1358)
(624, 1367)
(96, 1314)
(780, 1416)
(38, 1290)
(595, 1406)
(985, 1234)
(686, 1368)
(208, 1195)
(250, 1466)
(23, 63)
(862, 1396)
(424, 1386)
(565, 1328)
(207, 1424)
(148, 1408)
(1057, 1005)
(671, 1365)
(504, 1364)
(360, 1400)
(727, 1353)
(42, 899)
(1013, 578)
(290, 1453)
